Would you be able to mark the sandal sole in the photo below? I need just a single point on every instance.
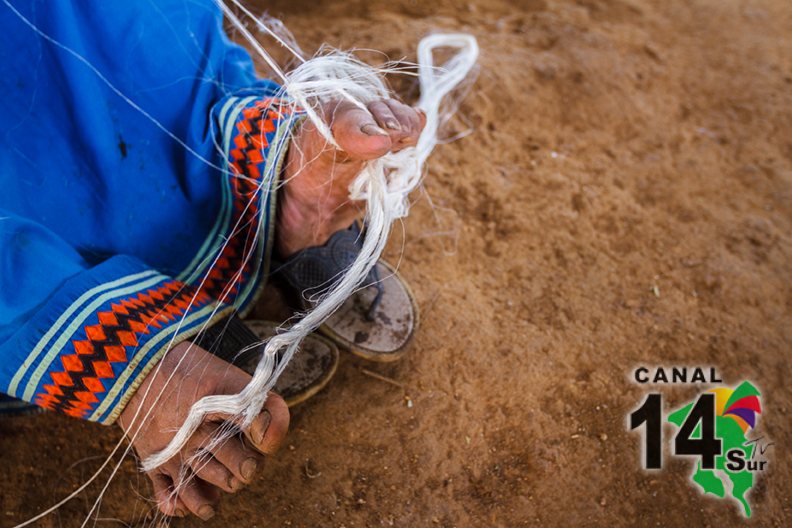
(319, 349)
(348, 342)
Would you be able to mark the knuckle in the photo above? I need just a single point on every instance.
(378, 107)
(169, 471)
(204, 432)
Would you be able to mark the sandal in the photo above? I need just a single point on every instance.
(309, 371)
(379, 321)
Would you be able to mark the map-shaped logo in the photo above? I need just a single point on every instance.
(739, 458)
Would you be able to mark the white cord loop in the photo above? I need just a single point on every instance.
(385, 184)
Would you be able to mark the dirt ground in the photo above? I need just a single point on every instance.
(625, 198)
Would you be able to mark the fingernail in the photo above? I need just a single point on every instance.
(392, 124)
(206, 512)
(257, 431)
(248, 468)
(373, 130)
(178, 513)
(234, 484)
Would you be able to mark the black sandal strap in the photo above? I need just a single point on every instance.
(374, 280)
(227, 338)
(314, 269)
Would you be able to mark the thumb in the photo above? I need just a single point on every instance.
(357, 133)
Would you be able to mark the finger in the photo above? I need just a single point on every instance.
(197, 495)
(399, 128)
(270, 438)
(167, 501)
(409, 121)
(384, 117)
(357, 132)
(408, 117)
(238, 458)
(268, 430)
(239, 462)
(204, 465)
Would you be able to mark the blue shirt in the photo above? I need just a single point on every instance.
(137, 155)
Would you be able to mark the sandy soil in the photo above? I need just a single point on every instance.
(622, 150)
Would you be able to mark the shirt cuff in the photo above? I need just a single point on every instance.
(95, 340)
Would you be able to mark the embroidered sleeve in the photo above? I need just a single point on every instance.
(79, 339)
(92, 340)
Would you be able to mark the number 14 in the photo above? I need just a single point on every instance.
(705, 444)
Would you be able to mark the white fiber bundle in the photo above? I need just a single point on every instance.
(384, 184)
